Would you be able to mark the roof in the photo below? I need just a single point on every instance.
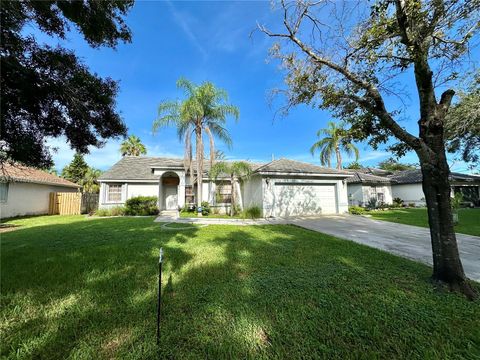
(359, 177)
(20, 173)
(292, 166)
(415, 176)
(373, 171)
(140, 168)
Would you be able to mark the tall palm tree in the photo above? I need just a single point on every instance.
(133, 146)
(204, 111)
(336, 139)
(235, 170)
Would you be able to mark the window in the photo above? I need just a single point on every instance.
(3, 192)
(114, 193)
(189, 195)
(223, 193)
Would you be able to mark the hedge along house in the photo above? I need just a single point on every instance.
(26, 191)
(363, 187)
(280, 188)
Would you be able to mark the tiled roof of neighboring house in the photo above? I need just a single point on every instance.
(415, 176)
(373, 171)
(292, 166)
(20, 173)
(359, 177)
(140, 168)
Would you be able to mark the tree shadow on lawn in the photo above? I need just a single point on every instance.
(230, 292)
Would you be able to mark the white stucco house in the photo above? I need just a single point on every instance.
(26, 191)
(281, 188)
(407, 185)
(362, 187)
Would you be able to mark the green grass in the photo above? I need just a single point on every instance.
(86, 288)
(469, 219)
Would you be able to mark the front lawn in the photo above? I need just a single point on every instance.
(193, 214)
(83, 288)
(469, 219)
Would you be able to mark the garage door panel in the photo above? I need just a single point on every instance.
(303, 199)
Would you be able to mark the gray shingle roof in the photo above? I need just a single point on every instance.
(359, 177)
(415, 176)
(292, 166)
(140, 168)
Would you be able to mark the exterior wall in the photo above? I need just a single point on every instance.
(409, 193)
(252, 192)
(269, 196)
(355, 194)
(29, 199)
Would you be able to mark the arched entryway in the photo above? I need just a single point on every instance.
(169, 191)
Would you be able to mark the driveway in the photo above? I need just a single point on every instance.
(412, 242)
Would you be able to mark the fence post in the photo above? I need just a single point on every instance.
(159, 302)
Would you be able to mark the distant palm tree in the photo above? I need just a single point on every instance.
(335, 141)
(133, 146)
(90, 180)
(203, 111)
(235, 170)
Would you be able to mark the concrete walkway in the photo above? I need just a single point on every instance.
(412, 242)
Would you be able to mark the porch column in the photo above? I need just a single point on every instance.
(181, 190)
(160, 194)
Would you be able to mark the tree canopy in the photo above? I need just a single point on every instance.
(47, 91)
(76, 170)
(133, 146)
(394, 165)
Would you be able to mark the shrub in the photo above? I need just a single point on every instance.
(115, 211)
(372, 203)
(411, 204)
(141, 206)
(397, 202)
(253, 212)
(205, 208)
(356, 210)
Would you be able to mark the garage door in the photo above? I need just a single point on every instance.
(302, 199)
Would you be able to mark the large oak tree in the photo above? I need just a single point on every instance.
(46, 91)
(349, 57)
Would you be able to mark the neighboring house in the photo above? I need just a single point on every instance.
(407, 185)
(362, 187)
(26, 191)
(280, 188)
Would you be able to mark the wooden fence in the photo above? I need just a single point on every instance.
(72, 203)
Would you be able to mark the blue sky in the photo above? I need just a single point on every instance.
(203, 41)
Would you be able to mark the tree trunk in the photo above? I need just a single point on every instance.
(199, 156)
(447, 266)
(339, 158)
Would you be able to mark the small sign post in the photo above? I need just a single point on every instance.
(159, 302)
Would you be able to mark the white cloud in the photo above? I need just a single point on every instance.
(180, 19)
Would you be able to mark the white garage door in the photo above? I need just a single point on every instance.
(302, 199)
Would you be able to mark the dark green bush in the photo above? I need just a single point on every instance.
(253, 212)
(141, 206)
(205, 208)
(356, 210)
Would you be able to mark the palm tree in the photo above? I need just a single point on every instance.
(203, 111)
(90, 180)
(335, 141)
(133, 146)
(235, 170)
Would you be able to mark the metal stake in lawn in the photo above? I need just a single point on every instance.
(159, 302)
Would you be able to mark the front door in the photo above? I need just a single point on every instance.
(171, 199)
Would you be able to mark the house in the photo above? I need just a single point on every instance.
(280, 188)
(407, 185)
(25, 190)
(363, 186)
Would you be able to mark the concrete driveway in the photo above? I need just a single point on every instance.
(412, 242)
